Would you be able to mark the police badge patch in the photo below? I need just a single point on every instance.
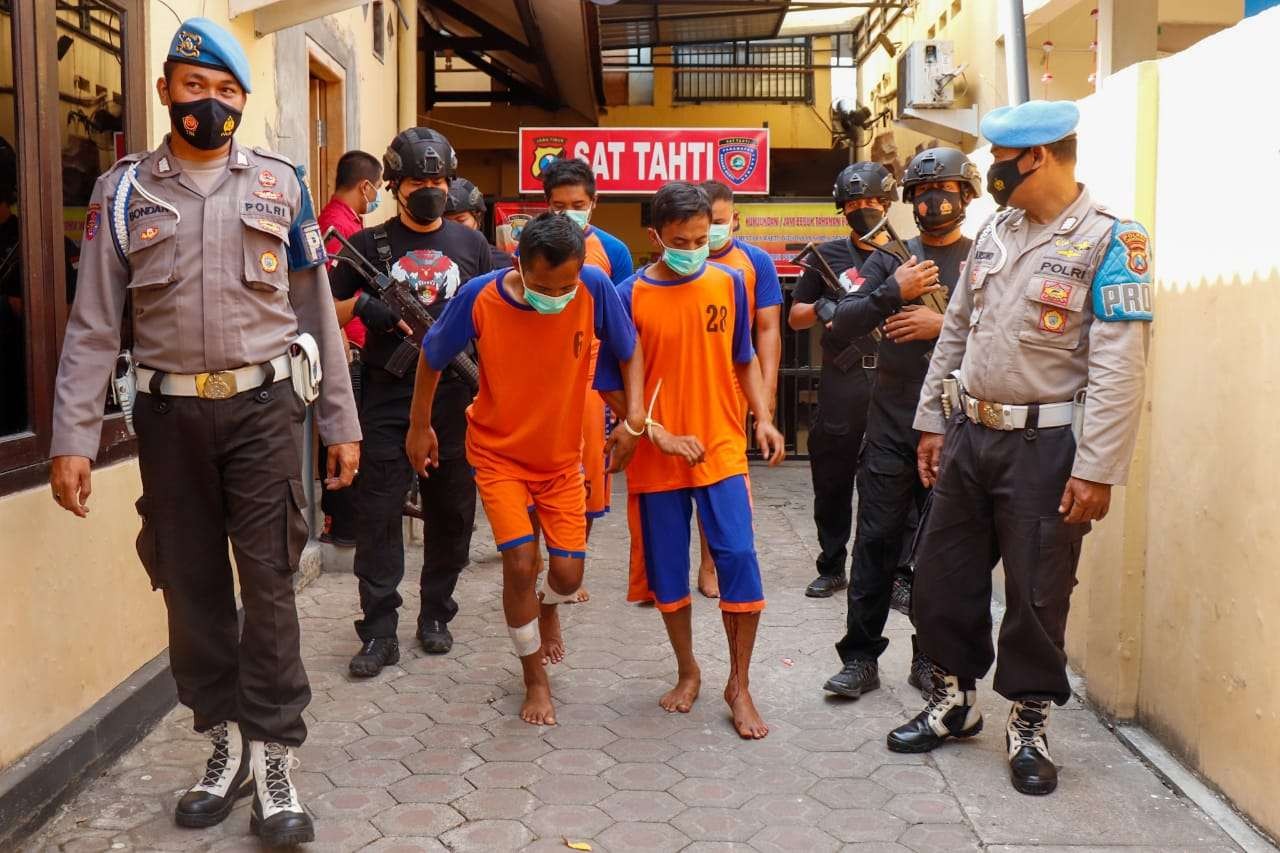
(188, 44)
(1052, 320)
(91, 221)
(737, 156)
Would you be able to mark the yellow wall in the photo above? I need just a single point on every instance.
(78, 614)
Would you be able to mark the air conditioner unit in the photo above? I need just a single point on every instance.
(926, 74)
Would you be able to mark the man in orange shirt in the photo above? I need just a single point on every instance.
(692, 321)
(532, 327)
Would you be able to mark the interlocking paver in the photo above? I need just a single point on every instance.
(431, 755)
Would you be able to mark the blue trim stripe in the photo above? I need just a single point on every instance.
(598, 513)
(572, 555)
(503, 546)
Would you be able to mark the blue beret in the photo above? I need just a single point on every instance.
(199, 41)
(1032, 123)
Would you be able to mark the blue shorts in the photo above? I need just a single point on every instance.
(660, 523)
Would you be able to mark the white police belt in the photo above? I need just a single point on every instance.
(1006, 417)
(217, 385)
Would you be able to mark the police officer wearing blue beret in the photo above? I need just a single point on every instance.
(1028, 416)
(234, 333)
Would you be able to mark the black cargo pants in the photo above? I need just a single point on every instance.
(213, 471)
(890, 496)
(448, 510)
(997, 498)
(835, 439)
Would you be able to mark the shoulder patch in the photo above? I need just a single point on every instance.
(1122, 284)
(274, 155)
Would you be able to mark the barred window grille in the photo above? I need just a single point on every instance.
(772, 70)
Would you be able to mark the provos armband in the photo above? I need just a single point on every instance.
(1122, 285)
(306, 245)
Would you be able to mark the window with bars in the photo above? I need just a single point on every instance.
(765, 70)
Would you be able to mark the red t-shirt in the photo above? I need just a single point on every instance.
(337, 214)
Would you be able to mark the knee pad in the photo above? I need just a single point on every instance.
(527, 639)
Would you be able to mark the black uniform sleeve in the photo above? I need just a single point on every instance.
(484, 260)
(344, 281)
(873, 303)
(808, 289)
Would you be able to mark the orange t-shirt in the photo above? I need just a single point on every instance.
(693, 331)
(533, 369)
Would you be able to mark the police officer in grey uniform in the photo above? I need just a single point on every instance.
(217, 246)
(1028, 417)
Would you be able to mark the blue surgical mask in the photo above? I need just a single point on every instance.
(684, 261)
(542, 303)
(719, 236)
(371, 206)
(580, 217)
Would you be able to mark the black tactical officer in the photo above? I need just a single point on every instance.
(905, 299)
(863, 192)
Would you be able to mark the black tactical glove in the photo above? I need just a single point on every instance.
(375, 313)
(825, 309)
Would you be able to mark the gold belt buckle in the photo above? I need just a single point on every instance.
(991, 415)
(216, 386)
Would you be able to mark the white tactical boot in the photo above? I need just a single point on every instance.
(225, 780)
(1031, 769)
(278, 818)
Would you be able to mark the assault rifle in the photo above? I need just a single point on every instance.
(400, 296)
(936, 301)
(853, 355)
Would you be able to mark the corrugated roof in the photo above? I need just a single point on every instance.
(647, 23)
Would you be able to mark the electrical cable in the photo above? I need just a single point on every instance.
(431, 120)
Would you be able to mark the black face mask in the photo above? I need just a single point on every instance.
(425, 205)
(861, 220)
(1004, 177)
(937, 211)
(208, 124)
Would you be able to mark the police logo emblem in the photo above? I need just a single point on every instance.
(1053, 321)
(266, 179)
(1068, 249)
(187, 44)
(228, 126)
(737, 156)
(945, 208)
(92, 220)
(269, 195)
(1056, 293)
(148, 233)
(269, 262)
(545, 150)
(190, 124)
(1135, 243)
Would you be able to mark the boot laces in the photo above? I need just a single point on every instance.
(1027, 723)
(220, 761)
(938, 693)
(278, 784)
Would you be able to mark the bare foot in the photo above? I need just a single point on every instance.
(580, 597)
(683, 695)
(708, 583)
(549, 627)
(537, 708)
(746, 719)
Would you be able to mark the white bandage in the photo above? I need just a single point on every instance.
(550, 596)
(527, 639)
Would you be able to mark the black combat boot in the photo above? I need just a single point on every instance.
(825, 586)
(900, 593)
(277, 817)
(921, 675)
(1031, 770)
(434, 637)
(374, 655)
(951, 712)
(226, 779)
(856, 678)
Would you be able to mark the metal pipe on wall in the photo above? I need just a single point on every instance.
(1015, 53)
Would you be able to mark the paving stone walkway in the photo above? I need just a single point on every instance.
(432, 756)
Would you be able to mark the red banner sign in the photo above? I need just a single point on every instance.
(642, 160)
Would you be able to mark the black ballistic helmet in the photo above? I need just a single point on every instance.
(464, 197)
(419, 153)
(941, 164)
(864, 180)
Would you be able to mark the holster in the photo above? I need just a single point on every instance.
(124, 387)
(304, 368)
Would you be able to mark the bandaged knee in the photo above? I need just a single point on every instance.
(550, 596)
(527, 639)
